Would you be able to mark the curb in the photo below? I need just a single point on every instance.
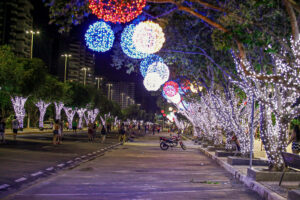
(43, 173)
(262, 191)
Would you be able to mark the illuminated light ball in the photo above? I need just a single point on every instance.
(171, 88)
(127, 43)
(161, 68)
(116, 10)
(171, 109)
(152, 81)
(147, 62)
(99, 37)
(185, 84)
(148, 37)
(176, 99)
(162, 111)
(164, 115)
(195, 88)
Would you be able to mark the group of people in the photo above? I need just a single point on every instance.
(154, 128)
(14, 125)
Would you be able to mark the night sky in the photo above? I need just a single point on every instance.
(49, 44)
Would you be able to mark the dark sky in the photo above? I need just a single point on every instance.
(49, 44)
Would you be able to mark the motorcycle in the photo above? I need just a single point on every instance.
(165, 142)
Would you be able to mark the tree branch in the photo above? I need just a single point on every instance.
(293, 19)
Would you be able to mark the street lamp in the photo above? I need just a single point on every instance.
(127, 100)
(84, 78)
(32, 32)
(66, 60)
(109, 85)
(98, 80)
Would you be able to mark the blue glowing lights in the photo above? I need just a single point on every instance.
(161, 68)
(147, 62)
(99, 37)
(127, 44)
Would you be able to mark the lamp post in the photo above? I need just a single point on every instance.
(127, 100)
(32, 32)
(109, 85)
(66, 61)
(122, 103)
(98, 80)
(84, 78)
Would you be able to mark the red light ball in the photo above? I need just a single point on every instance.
(171, 88)
(121, 11)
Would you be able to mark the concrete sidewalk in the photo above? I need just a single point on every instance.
(141, 170)
(267, 190)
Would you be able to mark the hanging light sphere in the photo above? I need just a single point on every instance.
(147, 62)
(171, 88)
(185, 84)
(152, 81)
(117, 11)
(161, 68)
(148, 37)
(176, 99)
(127, 43)
(99, 37)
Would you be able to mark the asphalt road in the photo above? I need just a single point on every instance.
(140, 170)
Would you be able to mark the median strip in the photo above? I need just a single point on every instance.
(37, 173)
(20, 180)
(4, 186)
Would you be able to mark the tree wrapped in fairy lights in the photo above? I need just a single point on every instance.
(42, 108)
(58, 107)
(277, 94)
(18, 104)
(80, 113)
(117, 11)
(92, 115)
(70, 112)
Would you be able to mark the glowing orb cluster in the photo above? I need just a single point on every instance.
(147, 62)
(127, 44)
(176, 99)
(185, 84)
(148, 37)
(152, 81)
(161, 68)
(117, 10)
(99, 37)
(171, 88)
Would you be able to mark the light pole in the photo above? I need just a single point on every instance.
(109, 85)
(32, 32)
(122, 103)
(66, 61)
(98, 80)
(84, 78)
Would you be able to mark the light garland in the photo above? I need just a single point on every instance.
(127, 44)
(148, 37)
(171, 88)
(18, 104)
(147, 62)
(116, 10)
(70, 115)
(99, 37)
(80, 113)
(92, 114)
(152, 81)
(58, 107)
(42, 108)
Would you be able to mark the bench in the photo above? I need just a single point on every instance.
(291, 161)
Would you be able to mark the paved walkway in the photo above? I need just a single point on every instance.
(140, 170)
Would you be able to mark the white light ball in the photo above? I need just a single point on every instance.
(148, 37)
(152, 81)
(161, 68)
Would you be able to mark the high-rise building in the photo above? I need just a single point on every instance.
(121, 92)
(81, 64)
(15, 20)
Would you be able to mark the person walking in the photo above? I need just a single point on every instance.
(295, 140)
(15, 127)
(56, 130)
(60, 132)
(153, 129)
(122, 134)
(74, 126)
(2, 129)
(90, 131)
(103, 134)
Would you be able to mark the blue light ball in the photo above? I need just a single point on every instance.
(147, 62)
(127, 44)
(99, 37)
